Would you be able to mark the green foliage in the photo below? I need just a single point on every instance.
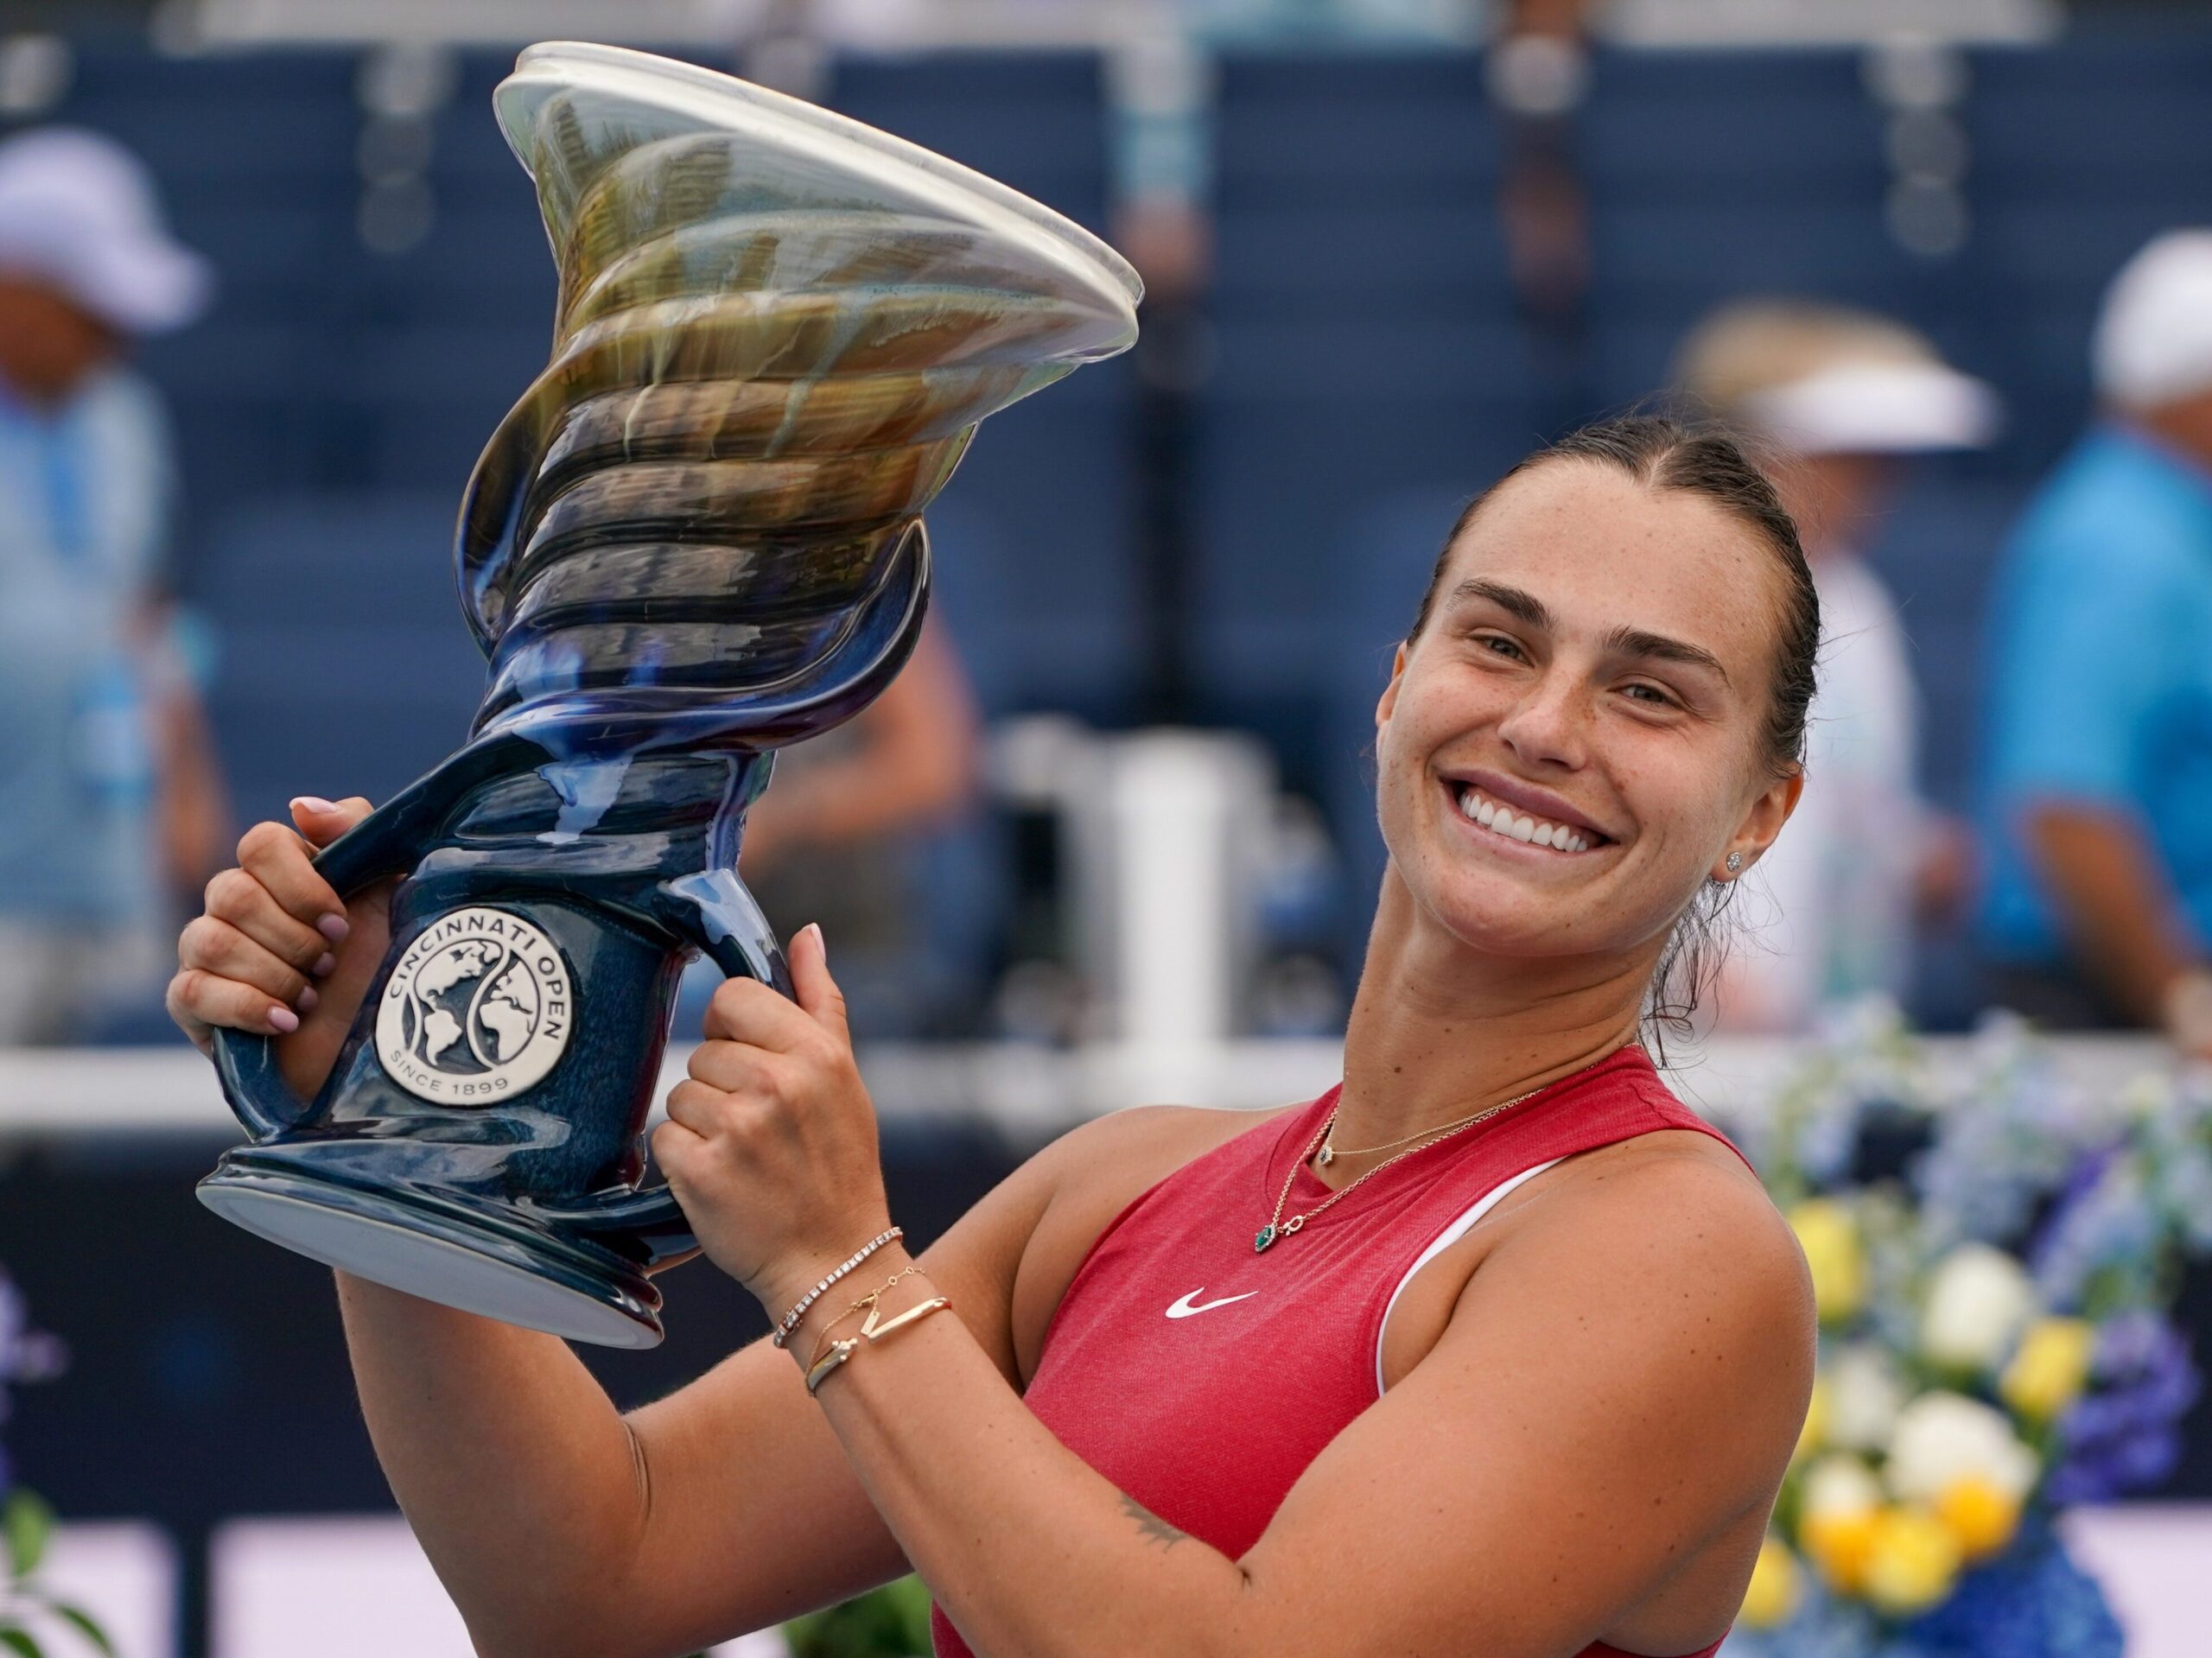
(892, 1622)
(27, 1525)
(81, 1622)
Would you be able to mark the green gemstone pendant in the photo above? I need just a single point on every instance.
(1267, 1236)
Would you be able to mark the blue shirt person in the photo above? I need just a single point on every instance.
(83, 486)
(2097, 789)
(105, 773)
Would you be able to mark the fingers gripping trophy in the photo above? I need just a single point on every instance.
(696, 538)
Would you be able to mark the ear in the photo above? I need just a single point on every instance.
(1770, 811)
(1390, 702)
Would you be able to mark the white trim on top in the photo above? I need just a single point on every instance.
(1444, 1240)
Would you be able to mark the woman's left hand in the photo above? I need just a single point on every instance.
(770, 1142)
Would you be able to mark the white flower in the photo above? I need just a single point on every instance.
(1864, 1394)
(1976, 1304)
(1840, 1484)
(1942, 1437)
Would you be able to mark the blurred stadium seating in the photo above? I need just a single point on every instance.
(1366, 340)
(1368, 364)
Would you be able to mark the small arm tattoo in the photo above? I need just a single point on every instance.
(1155, 1529)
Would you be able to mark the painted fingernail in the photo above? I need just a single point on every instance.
(332, 927)
(314, 803)
(307, 998)
(325, 965)
(284, 1019)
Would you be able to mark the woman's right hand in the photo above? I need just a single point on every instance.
(277, 952)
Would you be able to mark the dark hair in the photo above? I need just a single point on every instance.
(1708, 460)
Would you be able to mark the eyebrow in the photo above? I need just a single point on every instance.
(1527, 609)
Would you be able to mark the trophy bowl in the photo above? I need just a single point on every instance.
(695, 538)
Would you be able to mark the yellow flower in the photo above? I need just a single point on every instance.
(1815, 1434)
(1912, 1561)
(1830, 1237)
(1979, 1516)
(2050, 1369)
(1778, 1584)
(1838, 1545)
(1840, 1501)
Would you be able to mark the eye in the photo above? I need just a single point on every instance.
(1641, 692)
(1498, 644)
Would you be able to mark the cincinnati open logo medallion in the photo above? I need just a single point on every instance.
(479, 1008)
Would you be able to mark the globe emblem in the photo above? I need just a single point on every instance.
(477, 1007)
(473, 1007)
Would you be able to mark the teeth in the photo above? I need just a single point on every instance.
(1502, 821)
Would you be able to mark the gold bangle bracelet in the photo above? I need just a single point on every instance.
(872, 1298)
(838, 1353)
(871, 1331)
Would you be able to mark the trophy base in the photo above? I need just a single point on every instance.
(499, 1264)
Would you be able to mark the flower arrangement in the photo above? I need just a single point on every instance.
(1995, 1342)
(28, 1612)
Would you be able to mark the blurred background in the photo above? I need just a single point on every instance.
(269, 278)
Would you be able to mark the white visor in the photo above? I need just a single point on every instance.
(1874, 408)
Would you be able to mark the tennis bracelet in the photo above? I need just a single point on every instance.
(790, 1320)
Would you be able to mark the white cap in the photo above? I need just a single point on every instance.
(2154, 337)
(78, 211)
(1820, 379)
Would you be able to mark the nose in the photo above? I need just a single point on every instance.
(1548, 726)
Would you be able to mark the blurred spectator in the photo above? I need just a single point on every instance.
(834, 838)
(106, 773)
(1841, 397)
(1539, 73)
(2098, 788)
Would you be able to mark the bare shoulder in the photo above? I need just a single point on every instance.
(1682, 1201)
(1087, 1178)
(1636, 1339)
(1676, 1227)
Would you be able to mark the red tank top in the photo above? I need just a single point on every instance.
(1170, 1406)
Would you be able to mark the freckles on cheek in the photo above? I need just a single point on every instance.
(1671, 812)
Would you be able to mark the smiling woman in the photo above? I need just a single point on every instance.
(1493, 1349)
(1754, 567)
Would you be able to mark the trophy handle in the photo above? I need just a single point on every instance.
(716, 913)
(245, 1063)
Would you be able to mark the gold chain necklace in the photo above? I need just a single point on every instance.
(1329, 1153)
(1279, 1228)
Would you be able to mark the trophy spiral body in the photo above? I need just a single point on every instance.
(695, 539)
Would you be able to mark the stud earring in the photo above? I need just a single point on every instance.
(1735, 861)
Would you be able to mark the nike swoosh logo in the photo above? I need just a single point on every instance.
(1184, 1305)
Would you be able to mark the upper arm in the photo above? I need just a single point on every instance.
(752, 1513)
(1623, 1379)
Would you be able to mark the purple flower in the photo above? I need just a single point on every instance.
(26, 1355)
(2124, 1434)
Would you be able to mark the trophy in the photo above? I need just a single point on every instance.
(696, 538)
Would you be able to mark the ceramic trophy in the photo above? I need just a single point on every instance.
(696, 538)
